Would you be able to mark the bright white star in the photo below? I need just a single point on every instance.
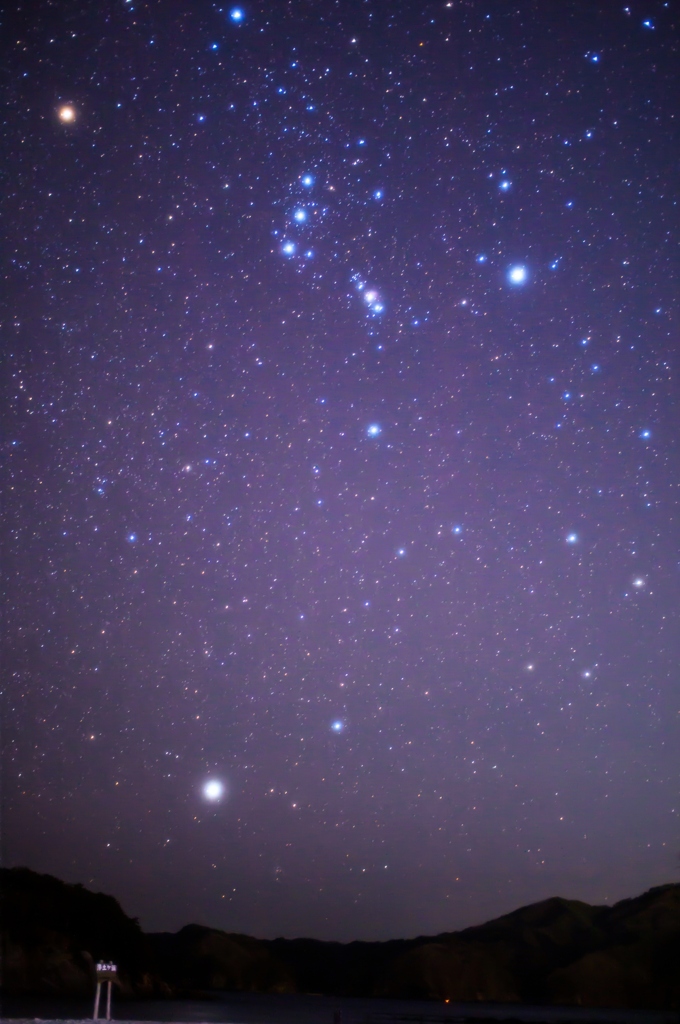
(67, 114)
(373, 429)
(213, 789)
(236, 14)
(518, 274)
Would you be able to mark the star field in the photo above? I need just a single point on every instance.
(341, 467)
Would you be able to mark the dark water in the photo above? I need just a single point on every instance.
(240, 1008)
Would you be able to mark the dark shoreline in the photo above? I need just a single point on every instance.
(257, 1008)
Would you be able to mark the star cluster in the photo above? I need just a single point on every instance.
(341, 504)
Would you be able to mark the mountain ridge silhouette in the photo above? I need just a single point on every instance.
(556, 951)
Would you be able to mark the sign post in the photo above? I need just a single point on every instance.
(108, 973)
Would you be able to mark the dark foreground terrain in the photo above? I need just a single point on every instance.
(256, 1008)
(559, 952)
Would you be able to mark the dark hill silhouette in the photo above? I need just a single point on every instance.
(554, 952)
(53, 933)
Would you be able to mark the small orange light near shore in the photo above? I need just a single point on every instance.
(67, 114)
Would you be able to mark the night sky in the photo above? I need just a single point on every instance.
(342, 492)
